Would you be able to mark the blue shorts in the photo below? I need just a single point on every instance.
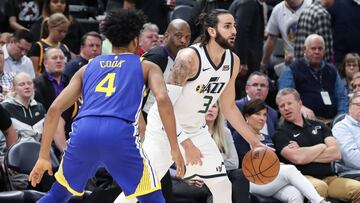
(111, 143)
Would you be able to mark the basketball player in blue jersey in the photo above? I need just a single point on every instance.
(202, 74)
(104, 133)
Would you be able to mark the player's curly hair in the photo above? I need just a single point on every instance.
(123, 25)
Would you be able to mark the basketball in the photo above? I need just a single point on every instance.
(260, 165)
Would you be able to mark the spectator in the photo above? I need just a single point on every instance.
(5, 79)
(26, 114)
(355, 82)
(15, 54)
(75, 31)
(346, 133)
(90, 48)
(315, 20)
(310, 146)
(283, 23)
(28, 118)
(54, 30)
(317, 81)
(49, 85)
(149, 38)
(345, 16)
(350, 66)
(249, 38)
(289, 185)
(257, 87)
(22, 13)
(7, 133)
(222, 136)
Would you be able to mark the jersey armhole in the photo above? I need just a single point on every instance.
(231, 63)
(199, 68)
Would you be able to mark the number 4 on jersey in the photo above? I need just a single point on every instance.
(109, 89)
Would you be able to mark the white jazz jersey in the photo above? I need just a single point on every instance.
(202, 91)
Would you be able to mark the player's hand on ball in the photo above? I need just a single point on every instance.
(179, 162)
(37, 172)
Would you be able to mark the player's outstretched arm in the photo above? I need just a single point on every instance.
(66, 98)
(232, 112)
(157, 86)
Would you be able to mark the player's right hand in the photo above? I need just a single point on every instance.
(179, 162)
(37, 172)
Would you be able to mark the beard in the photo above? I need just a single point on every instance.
(223, 42)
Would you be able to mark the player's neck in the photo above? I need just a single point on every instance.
(215, 52)
(121, 50)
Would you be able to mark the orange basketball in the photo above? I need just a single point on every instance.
(260, 165)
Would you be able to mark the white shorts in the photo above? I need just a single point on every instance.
(157, 148)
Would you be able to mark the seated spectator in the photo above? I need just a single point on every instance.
(54, 30)
(290, 185)
(223, 139)
(317, 81)
(355, 83)
(349, 67)
(90, 48)
(5, 79)
(346, 133)
(257, 87)
(27, 114)
(49, 85)
(75, 31)
(15, 54)
(148, 38)
(7, 133)
(22, 13)
(311, 147)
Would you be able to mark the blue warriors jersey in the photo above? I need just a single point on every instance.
(113, 86)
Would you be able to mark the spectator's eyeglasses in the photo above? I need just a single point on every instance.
(256, 85)
(354, 86)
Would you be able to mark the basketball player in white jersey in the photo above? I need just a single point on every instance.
(202, 74)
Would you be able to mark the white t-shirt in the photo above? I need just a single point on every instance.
(283, 22)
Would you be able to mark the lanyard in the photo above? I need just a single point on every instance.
(319, 79)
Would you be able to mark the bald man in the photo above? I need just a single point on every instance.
(176, 37)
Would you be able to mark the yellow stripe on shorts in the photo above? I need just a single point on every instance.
(146, 184)
(59, 175)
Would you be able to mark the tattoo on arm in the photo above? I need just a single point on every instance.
(181, 72)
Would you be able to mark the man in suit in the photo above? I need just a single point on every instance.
(257, 87)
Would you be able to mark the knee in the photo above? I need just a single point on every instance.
(296, 197)
(322, 188)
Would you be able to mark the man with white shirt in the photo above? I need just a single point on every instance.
(283, 23)
(15, 54)
(346, 133)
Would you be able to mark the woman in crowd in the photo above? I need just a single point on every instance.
(290, 185)
(223, 139)
(53, 32)
(75, 32)
(349, 67)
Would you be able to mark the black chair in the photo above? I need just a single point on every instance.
(261, 199)
(182, 12)
(21, 157)
(337, 119)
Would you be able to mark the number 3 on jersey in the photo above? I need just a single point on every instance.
(109, 89)
(206, 104)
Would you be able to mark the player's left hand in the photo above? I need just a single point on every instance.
(37, 172)
(179, 162)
